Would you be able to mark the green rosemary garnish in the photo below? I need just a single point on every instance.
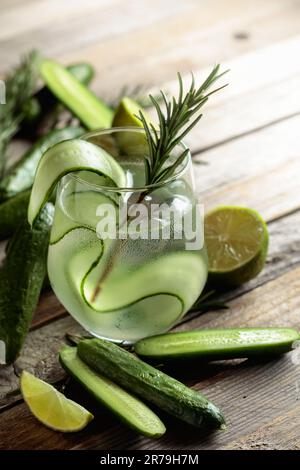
(20, 85)
(179, 117)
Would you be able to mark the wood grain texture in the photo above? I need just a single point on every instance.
(279, 434)
(260, 170)
(61, 26)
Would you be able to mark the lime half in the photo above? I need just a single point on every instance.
(237, 242)
(51, 407)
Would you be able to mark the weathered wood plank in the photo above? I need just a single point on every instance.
(268, 387)
(196, 39)
(260, 170)
(279, 434)
(43, 13)
(61, 26)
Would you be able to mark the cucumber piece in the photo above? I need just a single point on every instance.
(128, 408)
(67, 157)
(21, 175)
(149, 383)
(43, 109)
(218, 344)
(91, 111)
(12, 213)
(157, 277)
(21, 279)
(83, 72)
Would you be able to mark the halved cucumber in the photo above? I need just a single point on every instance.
(149, 383)
(215, 344)
(67, 157)
(127, 407)
(79, 99)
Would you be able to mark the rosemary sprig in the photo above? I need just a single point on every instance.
(138, 93)
(175, 122)
(20, 86)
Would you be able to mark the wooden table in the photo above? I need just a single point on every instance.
(249, 139)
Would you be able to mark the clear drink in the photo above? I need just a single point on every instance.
(119, 259)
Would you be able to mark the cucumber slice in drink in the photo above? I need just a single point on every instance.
(67, 157)
(78, 210)
(51, 407)
(127, 407)
(160, 276)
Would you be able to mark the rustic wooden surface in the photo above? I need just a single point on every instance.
(249, 139)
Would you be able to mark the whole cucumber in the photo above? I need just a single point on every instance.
(213, 344)
(21, 175)
(12, 212)
(149, 383)
(21, 279)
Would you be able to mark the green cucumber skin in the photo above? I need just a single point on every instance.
(84, 72)
(12, 212)
(78, 369)
(218, 344)
(90, 110)
(44, 103)
(21, 176)
(21, 279)
(149, 383)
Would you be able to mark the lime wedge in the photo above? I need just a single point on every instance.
(127, 112)
(66, 157)
(51, 407)
(132, 143)
(237, 242)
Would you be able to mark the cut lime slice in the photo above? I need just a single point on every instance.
(66, 157)
(51, 407)
(237, 242)
(130, 142)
